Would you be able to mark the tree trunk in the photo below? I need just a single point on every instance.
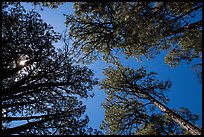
(182, 122)
(29, 125)
(16, 130)
(26, 118)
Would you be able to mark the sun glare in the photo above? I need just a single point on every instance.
(22, 62)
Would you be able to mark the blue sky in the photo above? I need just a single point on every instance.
(186, 91)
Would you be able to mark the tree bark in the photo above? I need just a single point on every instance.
(182, 122)
(26, 118)
(24, 127)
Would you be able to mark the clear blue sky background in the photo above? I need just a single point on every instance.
(186, 91)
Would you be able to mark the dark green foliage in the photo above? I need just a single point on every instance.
(126, 110)
(163, 125)
(148, 130)
(137, 29)
(131, 98)
(52, 5)
(44, 92)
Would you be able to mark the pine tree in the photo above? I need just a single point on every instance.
(137, 29)
(130, 92)
(41, 87)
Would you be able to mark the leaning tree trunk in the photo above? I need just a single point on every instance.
(182, 122)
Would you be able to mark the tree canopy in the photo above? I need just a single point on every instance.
(47, 4)
(162, 124)
(137, 29)
(125, 109)
(131, 96)
(41, 87)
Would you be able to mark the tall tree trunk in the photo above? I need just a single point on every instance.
(29, 125)
(26, 118)
(18, 129)
(182, 122)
